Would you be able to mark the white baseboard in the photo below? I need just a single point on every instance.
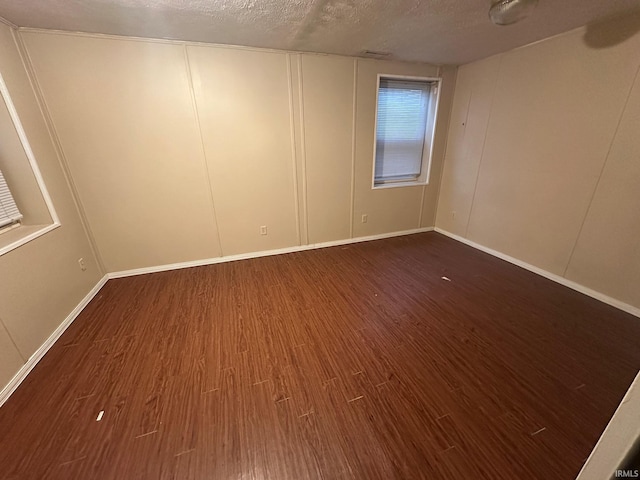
(617, 440)
(551, 276)
(265, 253)
(38, 354)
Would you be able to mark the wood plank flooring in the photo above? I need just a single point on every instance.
(352, 362)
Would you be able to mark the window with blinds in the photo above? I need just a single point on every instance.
(9, 212)
(403, 133)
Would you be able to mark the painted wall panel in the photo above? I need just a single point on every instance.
(474, 90)
(552, 120)
(607, 253)
(244, 108)
(328, 125)
(125, 118)
(559, 151)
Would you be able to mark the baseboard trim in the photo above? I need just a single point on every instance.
(19, 377)
(264, 253)
(617, 441)
(544, 273)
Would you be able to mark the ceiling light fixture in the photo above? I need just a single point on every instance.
(506, 12)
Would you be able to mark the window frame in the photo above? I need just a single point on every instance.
(427, 154)
(22, 234)
(4, 214)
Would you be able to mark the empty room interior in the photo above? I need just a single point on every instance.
(319, 239)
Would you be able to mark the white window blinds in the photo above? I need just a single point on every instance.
(403, 109)
(9, 212)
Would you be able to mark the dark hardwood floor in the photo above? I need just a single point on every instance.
(353, 362)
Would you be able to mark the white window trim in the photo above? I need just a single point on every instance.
(427, 177)
(36, 172)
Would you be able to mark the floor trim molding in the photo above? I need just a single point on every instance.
(264, 253)
(625, 307)
(19, 377)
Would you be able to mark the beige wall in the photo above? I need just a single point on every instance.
(328, 96)
(182, 152)
(40, 282)
(543, 160)
(124, 114)
(243, 103)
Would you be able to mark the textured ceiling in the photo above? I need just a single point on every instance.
(434, 31)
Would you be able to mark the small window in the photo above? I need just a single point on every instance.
(405, 124)
(26, 211)
(9, 213)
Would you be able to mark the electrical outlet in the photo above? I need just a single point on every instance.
(263, 230)
(365, 217)
(83, 266)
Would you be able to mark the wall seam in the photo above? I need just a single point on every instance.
(57, 147)
(604, 165)
(466, 124)
(303, 152)
(15, 345)
(8, 23)
(421, 209)
(433, 139)
(353, 147)
(484, 142)
(204, 151)
(446, 146)
(293, 148)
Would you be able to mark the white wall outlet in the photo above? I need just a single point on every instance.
(365, 217)
(83, 266)
(263, 230)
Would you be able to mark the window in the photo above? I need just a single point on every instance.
(405, 122)
(26, 212)
(9, 213)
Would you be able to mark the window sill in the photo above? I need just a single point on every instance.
(399, 184)
(16, 237)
